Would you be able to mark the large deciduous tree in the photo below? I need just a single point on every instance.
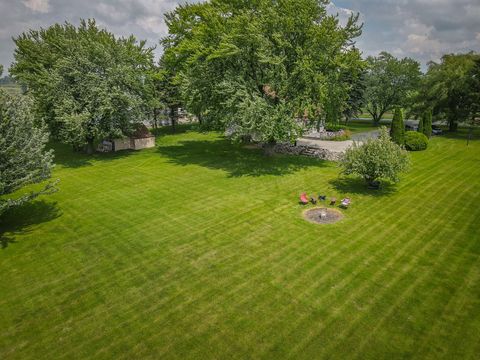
(451, 89)
(86, 83)
(256, 66)
(389, 83)
(23, 158)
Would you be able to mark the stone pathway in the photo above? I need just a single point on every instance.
(332, 146)
(365, 135)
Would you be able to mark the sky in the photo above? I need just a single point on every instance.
(421, 29)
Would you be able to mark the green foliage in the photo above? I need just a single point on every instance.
(421, 125)
(257, 65)
(376, 159)
(86, 83)
(426, 121)
(449, 89)
(334, 127)
(415, 141)
(390, 83)
(346, 135)
(23, 159)
(397, 130)
(356, 97)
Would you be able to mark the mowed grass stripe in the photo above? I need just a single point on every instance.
(372, 280)
(200, 252)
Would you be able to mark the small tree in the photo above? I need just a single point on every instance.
(397, 131)
(376, 159)
(421, 123)
(427, 123)
(23, 159)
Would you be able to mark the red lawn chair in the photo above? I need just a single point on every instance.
(304, 199)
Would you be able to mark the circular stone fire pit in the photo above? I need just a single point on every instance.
(322, 215)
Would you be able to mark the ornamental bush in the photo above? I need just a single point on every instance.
(345, 135)
(421, 123)
(376, 159)
(397, 131)
(335, 127)
(427, 123)
(415, 141)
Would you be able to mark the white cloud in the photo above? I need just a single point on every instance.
(41, 6)
(152, 24)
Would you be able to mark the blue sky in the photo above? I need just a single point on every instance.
(422, 29)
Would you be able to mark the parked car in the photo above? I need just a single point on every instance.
(436, 130)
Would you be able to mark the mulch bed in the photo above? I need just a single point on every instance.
(331, 215)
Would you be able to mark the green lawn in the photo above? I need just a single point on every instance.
(356, 126)
(197, 249)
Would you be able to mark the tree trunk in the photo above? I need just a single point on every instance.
(89, 148)
(155, 118)
(452, 125)
(172, 118)
(269, 148)
(372, 183)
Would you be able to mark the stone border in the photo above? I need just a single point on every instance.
(319, 153)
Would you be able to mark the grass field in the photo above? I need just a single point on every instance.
(197, 249)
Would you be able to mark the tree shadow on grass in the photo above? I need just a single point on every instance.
(19, 220)
(66, 157)
(358, 186)
(235, 159)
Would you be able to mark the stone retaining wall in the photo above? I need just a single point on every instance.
(319, 153)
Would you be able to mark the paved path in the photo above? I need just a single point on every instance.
(363, 136)
(332, 146)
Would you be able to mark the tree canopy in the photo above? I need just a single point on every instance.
(257, 65)
(389, 83)
(451, 88)
(23, 158)
(86, 83)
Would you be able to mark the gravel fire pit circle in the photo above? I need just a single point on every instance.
(323, 215)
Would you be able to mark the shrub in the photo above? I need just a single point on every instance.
(376, 159)
(397, 131)
(420, 124)
(427, 123)
(334, 127)
(415, 141)
(346, 135)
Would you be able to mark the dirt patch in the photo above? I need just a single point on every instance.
(323, 215)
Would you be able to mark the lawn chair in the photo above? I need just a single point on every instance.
(322, 197)
(345, 203)
(333, 201)
(313, 199)
(304, 199)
